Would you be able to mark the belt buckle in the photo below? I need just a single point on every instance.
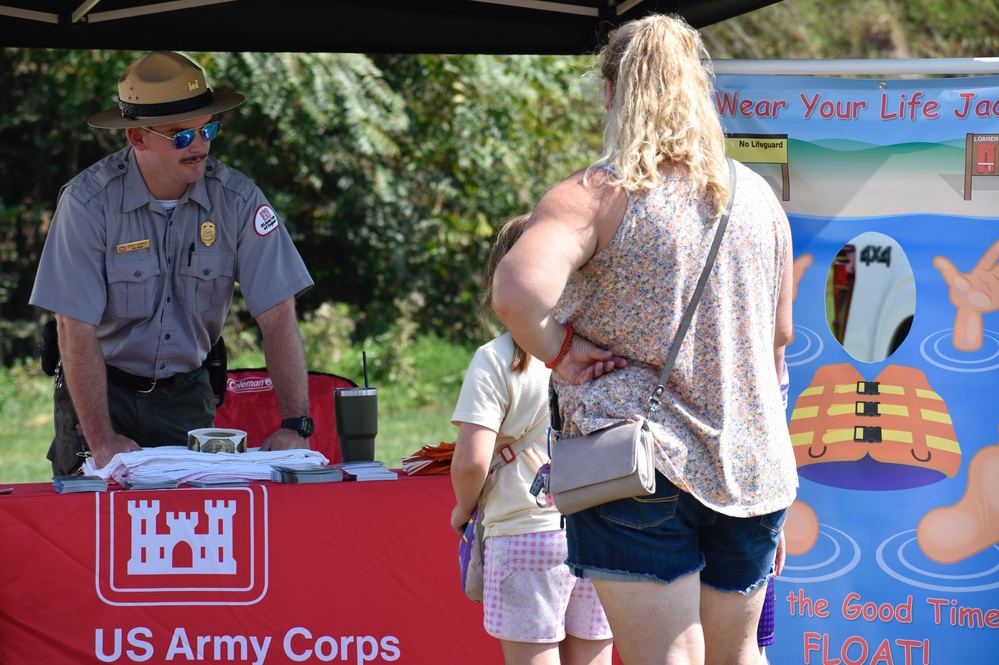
(152, 387)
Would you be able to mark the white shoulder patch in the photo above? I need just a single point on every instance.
(265, 220)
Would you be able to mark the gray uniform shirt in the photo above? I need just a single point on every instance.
(157, 287)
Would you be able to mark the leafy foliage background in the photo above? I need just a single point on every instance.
(393, 171)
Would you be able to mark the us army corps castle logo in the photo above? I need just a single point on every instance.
(189, 547)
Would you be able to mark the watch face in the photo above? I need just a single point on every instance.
(304, 425)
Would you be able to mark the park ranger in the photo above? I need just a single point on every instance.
(140, 265)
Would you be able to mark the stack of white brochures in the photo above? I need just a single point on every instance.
(149, 484)
(308, 474)
(368, 471)
(70, 484)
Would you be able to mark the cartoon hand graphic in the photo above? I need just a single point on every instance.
(952, 533)
(973, 294)
(800, 266)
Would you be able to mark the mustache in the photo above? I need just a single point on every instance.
(194, 158)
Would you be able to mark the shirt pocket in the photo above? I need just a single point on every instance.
(207, 280)
(132, 288)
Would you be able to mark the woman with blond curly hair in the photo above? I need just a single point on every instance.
(597, 286)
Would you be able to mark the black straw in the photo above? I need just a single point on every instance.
(364, 361)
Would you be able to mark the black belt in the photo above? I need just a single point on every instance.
(141, 384)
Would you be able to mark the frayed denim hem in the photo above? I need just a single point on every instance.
(595, 573)
(745, 592)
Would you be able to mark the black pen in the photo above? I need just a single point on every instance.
(190, 252)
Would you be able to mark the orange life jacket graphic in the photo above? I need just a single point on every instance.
(890, 433)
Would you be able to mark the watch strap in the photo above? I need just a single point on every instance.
(304, 425)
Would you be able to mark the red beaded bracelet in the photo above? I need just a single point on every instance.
(564, 350)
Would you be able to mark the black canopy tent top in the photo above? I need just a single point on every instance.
(354, 26)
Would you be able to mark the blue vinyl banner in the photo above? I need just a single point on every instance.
(892, 190)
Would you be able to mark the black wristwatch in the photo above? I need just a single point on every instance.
(304, 426)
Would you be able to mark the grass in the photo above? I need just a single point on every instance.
(25, 424)
(414, 410)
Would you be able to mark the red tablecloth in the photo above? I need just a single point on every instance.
(352, 572)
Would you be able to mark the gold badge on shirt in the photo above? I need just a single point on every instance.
(208, 234)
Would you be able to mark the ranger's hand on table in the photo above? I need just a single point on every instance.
(284, 439)
(109, 446)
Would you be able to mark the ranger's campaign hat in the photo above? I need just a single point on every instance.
(162, 87)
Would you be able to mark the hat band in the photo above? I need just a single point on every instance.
(135, 111)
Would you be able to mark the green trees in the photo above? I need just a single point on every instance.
(487, 136)
(860, 29)
(44, 140)
(392, 171)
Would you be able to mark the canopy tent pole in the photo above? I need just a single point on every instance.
(548, 6)
(557, 27)
(29, 15)
(857, 67)
(82, 13)
(152, 9)
(82, 10)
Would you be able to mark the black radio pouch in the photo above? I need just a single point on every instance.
(49, 348)
(217, 363)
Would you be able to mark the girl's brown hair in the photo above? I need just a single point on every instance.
(505, 239)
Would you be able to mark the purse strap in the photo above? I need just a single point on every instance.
(509, 452)
(654, 398)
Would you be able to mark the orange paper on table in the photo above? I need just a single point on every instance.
(430, 460)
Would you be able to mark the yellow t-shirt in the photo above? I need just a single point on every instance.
(511, 404)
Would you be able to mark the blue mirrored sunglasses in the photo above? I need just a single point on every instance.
(183, 139)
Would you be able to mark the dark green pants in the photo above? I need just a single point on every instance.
(162, 417)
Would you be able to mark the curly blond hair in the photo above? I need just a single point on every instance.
(661, 109)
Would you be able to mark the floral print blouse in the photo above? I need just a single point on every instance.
(721, 431)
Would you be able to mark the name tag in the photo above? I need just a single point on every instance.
(132, 246)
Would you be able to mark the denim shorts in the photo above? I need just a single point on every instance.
(669, 534)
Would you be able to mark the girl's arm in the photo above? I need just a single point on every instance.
(469, 468)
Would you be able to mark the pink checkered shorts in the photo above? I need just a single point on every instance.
(529, 594)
